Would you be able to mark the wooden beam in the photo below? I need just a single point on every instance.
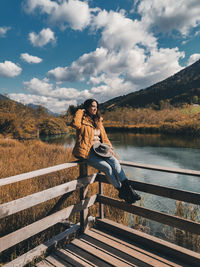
(45, 195)
(160, 168)
(189, 257)
(41, 225)
(43, 248)
(160, 217)
(83, 171)
(158, 190)
(29, 175)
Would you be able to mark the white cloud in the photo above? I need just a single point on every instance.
(30, 59)
(57, 106)
(44, 37)
(73, 13)
(170, 15)
(9, 69)
(3, 31)
(193, 58)
(119, 32)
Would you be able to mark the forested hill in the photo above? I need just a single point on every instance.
(25, 122)
(183, 87)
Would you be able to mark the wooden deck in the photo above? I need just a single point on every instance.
(103, 247)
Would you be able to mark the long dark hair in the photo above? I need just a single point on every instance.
(96, 118)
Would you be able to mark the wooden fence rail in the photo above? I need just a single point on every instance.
(82, 183)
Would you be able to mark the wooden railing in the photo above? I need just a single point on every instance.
(81, 184)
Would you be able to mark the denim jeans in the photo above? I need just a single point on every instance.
(110, 166)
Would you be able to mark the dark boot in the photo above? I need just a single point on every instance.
(127, 193)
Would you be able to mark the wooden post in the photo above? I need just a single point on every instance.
(101, 206)
(83, 171)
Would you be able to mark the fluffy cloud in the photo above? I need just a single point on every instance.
(58, 106)
(193, 58)
(73, 13)
(43, 38)
(119, 32)
(170, 15)
(9, 69)
(3, 31)
(45, 90)
(30, 59)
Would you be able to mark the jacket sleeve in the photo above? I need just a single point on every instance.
(76, 122)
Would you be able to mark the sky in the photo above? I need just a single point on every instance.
(62, 52)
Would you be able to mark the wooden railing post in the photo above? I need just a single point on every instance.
(101, 206)
(83, 171)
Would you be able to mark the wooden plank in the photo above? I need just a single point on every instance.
(36, 227)
(120, 240)
(43, 248)
(115, 251)
(56, 261)
(162, 191)
(73, 258)
(129, 251)
(166, 248)
(160, 168)
(101, 206)
(45, 195)
(100, 253)
(160, 217)
(29, 175)
(43, 263)
(82, 254)
(83, 171)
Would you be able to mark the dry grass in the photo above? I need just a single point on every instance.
(168, 120)
(20, 157)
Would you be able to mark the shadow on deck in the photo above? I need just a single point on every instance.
(112, 244)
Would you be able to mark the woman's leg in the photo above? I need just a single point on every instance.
(117, 169)
(101, 164)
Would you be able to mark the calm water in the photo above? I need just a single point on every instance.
(168, 151)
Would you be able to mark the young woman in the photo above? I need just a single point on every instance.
(93, 145)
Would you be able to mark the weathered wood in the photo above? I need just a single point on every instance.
(160, 217)
(109, 238)
(43, 248)
(100, 253)
(186, 256)
(101, 206)
(36, 227)
(54, 260)
(158, 190)
(29, 175)
(124, 250)
(160, 168)
(83, 171)
(74, 257)
(37, 198)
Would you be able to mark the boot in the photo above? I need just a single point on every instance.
(127, 193)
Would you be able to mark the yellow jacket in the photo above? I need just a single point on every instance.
(85, 133)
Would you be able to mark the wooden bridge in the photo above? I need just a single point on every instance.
(105, 243)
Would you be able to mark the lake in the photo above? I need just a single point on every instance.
(161, 150)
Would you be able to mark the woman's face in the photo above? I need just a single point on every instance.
(93, 108)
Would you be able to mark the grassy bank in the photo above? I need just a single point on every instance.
(171, 120)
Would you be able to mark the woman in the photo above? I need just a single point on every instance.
(94, 146)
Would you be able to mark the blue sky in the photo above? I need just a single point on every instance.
(58, 53)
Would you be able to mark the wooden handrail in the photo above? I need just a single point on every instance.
(81, 183)
(160, 168)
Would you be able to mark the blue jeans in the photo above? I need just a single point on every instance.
(110, 166)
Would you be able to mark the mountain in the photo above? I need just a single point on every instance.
(33, 106)
(182, 87)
